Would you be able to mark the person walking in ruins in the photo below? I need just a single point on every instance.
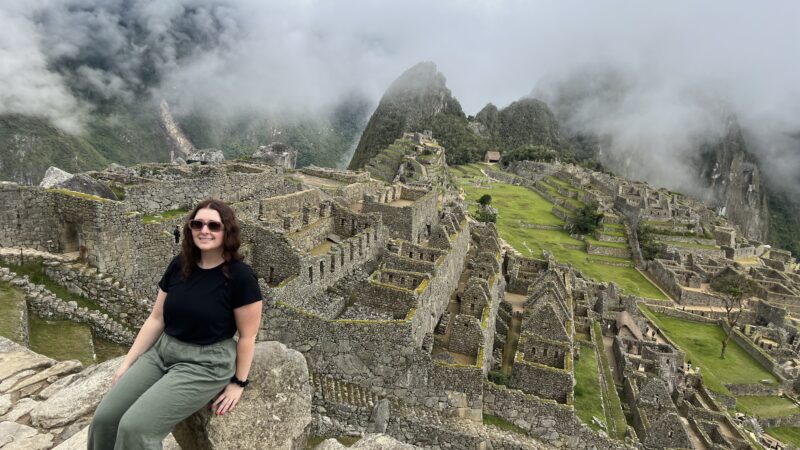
(177, 233)
(185, 355)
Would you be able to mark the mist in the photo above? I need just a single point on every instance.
(680, 63)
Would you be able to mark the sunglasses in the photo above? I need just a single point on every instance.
(213, 225)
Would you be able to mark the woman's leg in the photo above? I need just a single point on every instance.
(145, 372)
(188, 386)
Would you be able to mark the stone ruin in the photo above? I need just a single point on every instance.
(399, 303)
(276, 154)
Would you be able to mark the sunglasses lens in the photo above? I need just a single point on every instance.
(212, 225)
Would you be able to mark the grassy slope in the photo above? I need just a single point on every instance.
(588, 397)
(518, 206)
(767, 406)
(788, 435)
(702, 344)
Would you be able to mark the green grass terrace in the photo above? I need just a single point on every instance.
(702, 344)
(522, 210)
(767, 406)
(588, 392)
(787, 435)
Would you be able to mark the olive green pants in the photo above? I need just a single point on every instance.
(168, 383)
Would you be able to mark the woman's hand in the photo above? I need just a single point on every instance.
(228, 399)
(120, 372)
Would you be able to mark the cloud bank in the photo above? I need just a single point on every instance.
(61, 57)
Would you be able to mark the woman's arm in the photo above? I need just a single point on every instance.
(148, 334)
(248, 319)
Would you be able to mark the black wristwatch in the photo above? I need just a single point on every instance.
(239, 382)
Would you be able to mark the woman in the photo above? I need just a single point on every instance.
(184, 355)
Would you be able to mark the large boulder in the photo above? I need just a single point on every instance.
(78, 399)
(87, 185)
(53, 176)
(273, 412)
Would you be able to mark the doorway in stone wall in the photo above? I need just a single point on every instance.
(69, 240)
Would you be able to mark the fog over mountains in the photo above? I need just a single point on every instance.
(652, 77)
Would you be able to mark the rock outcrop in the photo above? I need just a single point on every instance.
(54, 176)
(45, 403)
(273, 412)
(734, 176)
(368, 442)
(87, 185)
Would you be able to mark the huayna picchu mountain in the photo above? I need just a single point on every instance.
(420, 100)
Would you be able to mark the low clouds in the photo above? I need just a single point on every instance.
(61, 57)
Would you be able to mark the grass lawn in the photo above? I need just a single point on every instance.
(164, 216)
(61, 339)
(588, 392)
(518, 206)
(766, 406)
(616, 417)
(787, 435)
(702, 344)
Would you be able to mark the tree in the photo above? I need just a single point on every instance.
(485, 200)
(586, 220)
(651, 249)
(735, 289)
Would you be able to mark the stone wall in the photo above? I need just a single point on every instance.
(412, 222)
(345, 176)
(226, 182)
(103, 290)
(543, 381)
(466, 336)
(755, 351)
(27, 219)
(603, 250)
(45, 304)
(553, 423)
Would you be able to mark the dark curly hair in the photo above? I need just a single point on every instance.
(190, 254)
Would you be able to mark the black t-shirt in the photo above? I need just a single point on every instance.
(200, 310)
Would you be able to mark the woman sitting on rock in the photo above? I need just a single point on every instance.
(185, 354)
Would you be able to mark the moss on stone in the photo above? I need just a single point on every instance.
(82, 195)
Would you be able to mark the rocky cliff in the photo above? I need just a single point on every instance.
(735, 180)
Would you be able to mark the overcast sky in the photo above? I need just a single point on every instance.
(305, 53)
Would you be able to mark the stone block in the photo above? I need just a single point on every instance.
(272, 413)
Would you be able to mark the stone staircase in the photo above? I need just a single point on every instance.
(336, 391)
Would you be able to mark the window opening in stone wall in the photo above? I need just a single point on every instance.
(410, 254)
(343, 222)
(310, 274)
(428, 228)
(360, 247)
(271, 274)
(367, 239)
(321, 269)
(333, 263)
(341, 258)
(351, 251)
